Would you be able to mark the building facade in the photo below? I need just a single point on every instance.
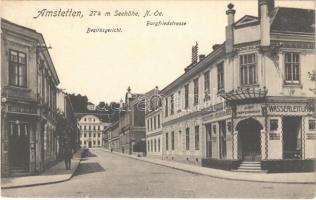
(250, 99)
(91, 128)
(28, 102)
(127, 135)
(153, 124)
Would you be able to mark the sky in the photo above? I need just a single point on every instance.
(102, 66)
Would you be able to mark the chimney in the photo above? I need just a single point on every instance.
(270, 7)
(265, 6)
(215, 46)
(195, 53)
(229, 28)
(201, 57)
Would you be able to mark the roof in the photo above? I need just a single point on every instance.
(293, 20)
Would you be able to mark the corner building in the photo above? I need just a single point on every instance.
(249, 104)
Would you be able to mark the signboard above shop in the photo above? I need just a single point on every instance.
(291, 109)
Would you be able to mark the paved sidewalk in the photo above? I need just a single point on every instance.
(290, 178)
(55, 174)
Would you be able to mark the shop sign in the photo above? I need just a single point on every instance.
(219, 114)
(290, 109)
(248, 110)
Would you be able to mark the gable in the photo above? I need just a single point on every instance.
(246, 20)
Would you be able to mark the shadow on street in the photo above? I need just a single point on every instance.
(87, 168)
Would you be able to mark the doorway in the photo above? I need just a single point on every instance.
(249, 139)
(222, 136)
(292, 137)
(18, 146)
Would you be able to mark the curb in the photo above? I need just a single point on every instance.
(206, 174)
(46, 183)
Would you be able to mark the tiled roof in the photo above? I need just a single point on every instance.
(293, 20)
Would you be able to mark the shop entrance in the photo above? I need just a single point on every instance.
(292, 138)
(249, 139)
(18, 146)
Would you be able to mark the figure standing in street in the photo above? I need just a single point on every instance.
(67, 156)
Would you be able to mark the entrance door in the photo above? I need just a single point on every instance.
(209, 140)
(90, 144)
(292, 140)
(18, 146)
(249, 139)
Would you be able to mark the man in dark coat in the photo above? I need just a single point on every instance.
(68, 156)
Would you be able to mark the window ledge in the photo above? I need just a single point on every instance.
(249, 86)
(292, 84)
(18, 88)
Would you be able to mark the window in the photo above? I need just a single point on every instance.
(93, 134)
(148, 124)
(89, 134)
(312, 125)
(93, 142)
(151, 123)
(84, 128)
(17, 69)
(98, 142)
(172, 140)
(166, 108)
(273, 125)
(186, 96)
(207, 85)
(148, 147)
(179, 106)
(172, 104)
(158, 121)
(99, 127)
(158, 144)
(84, 135)
(98, 134)
(187, 138)
(292, 67)
(151, 145)
(220, 76)
(155, 145)
(89, 127)
(248, 74)
(84, 119)
(85, 142)
(155, 123)
(197, 137)
(196, 91)
(167, 141)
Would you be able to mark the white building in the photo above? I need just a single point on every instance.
(91, 128)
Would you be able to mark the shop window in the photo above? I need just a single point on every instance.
(273, 125)
(312, 125)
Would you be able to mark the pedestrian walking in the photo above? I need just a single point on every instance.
(68, 156)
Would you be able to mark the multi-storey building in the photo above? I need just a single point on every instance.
(28, 100)
(153, 123)
(91, 127)
(251, 98)
(127, 135)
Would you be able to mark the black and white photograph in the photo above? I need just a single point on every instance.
(158, 99)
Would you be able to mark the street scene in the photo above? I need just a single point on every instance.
(98, 101)
(103, 174)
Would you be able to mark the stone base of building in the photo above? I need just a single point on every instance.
(283, 166)
(221, 164)
(186, 159)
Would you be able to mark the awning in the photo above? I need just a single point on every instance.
(244, 93)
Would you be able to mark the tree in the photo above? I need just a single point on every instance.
(79, 102)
